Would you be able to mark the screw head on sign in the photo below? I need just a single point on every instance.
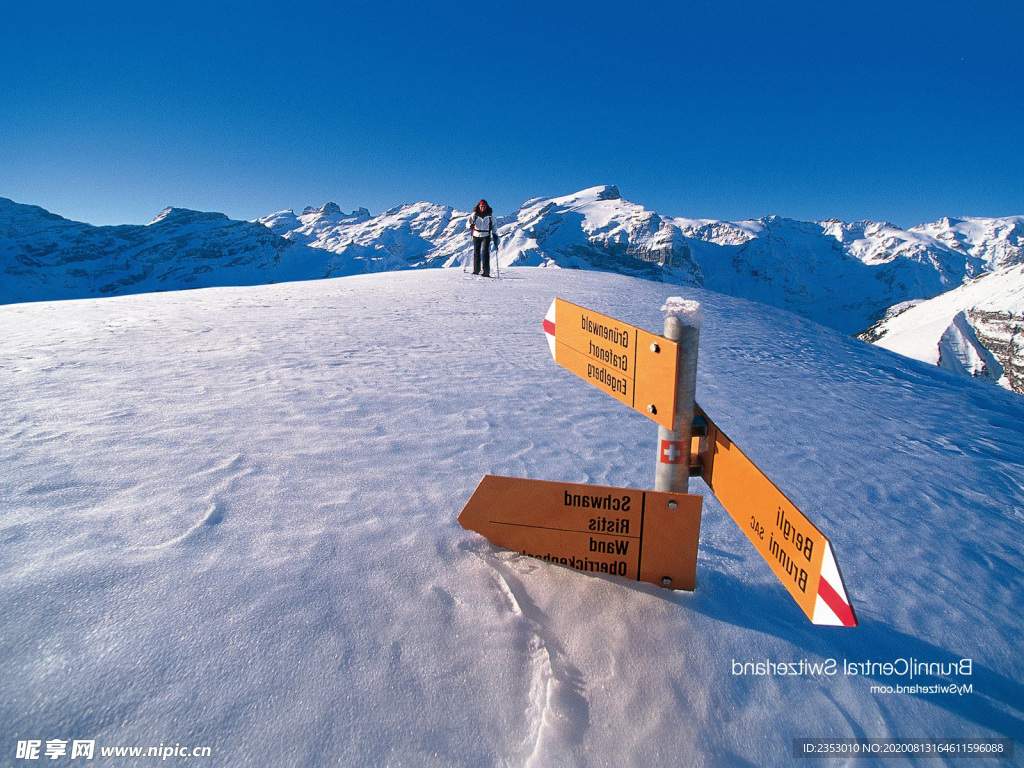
(672, 504)
(652, 408)
(666, 581)
(655, 348)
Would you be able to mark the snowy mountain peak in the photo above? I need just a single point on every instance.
(325, 209)
(9, 207)
(592, 194)
(997, 242)
(333, 212)
(44, 257)
(596, 229)
(185, 216)
(14, 216)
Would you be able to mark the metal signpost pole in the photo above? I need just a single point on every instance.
(682, 325)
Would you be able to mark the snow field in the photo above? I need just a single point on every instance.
(229, 519)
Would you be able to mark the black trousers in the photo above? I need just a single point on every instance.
(482, 251)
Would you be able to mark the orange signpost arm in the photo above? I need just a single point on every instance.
(799, 554)
(642, 535)
(632, 365)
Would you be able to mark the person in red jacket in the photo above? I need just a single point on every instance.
(481, 225)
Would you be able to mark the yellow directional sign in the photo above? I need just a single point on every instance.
(641, 535)
(799, 554)
(632, 365)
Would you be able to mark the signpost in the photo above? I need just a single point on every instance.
(652, 535)
(641, 535)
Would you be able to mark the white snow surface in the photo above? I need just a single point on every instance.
(687, 311)
(918, 331)
(229, 519)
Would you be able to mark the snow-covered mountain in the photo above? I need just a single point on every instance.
(843, 275)
(229, 521)
(997, 242)
(976, 329)
(409, 236)
(597, 229)
(592, 229)
(44, 256)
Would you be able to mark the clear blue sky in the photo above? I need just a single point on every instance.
(903, 110)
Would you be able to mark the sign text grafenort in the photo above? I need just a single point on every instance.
(608, 356)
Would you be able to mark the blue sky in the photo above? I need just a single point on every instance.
(902, 110)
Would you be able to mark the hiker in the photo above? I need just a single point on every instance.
(481, 224)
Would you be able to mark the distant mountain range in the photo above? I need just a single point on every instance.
(849, 276)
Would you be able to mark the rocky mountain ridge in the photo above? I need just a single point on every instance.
(975, 330)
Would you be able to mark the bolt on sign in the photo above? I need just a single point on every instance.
(641, 535)
(799, 554)
(632, 365)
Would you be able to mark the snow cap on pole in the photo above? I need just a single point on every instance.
(687, 311)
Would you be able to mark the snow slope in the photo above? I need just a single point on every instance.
(229, 520)
(976, 330)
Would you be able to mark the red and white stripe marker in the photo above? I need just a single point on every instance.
(832, 606)
(549, 327)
